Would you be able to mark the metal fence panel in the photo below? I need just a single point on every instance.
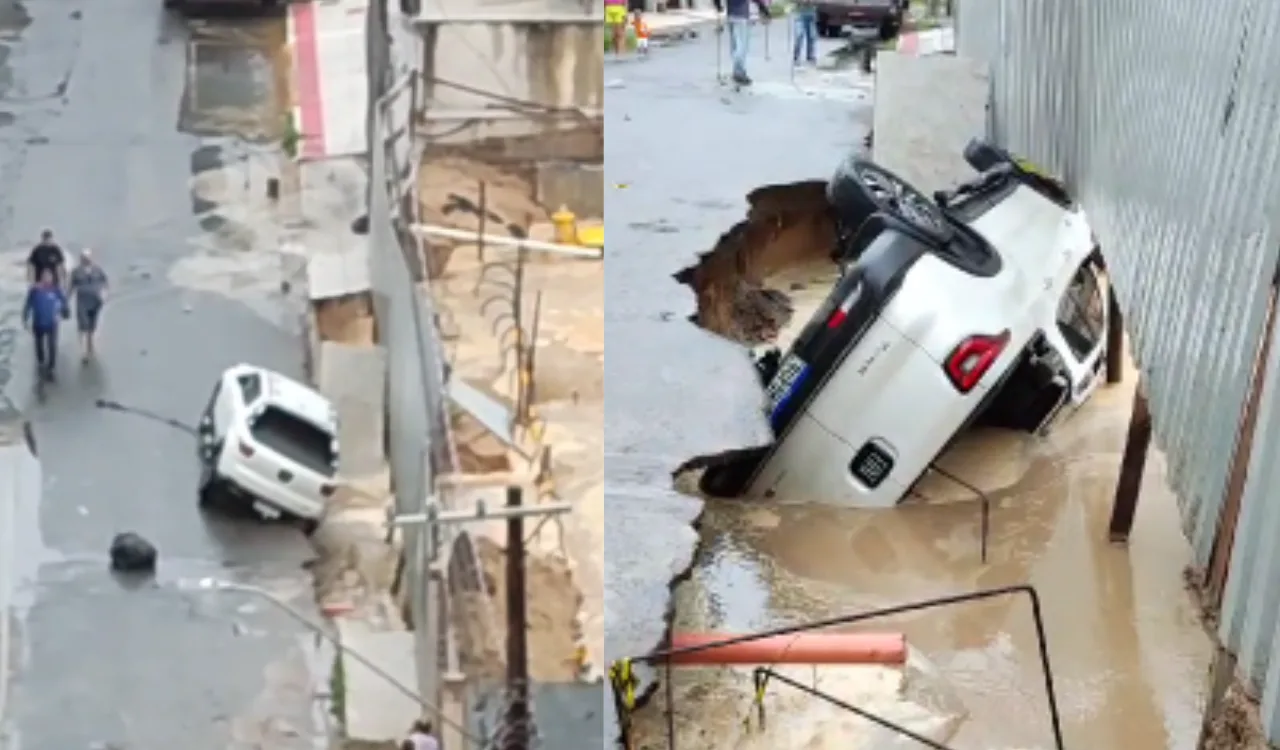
(1162, 118)
(1169, 146)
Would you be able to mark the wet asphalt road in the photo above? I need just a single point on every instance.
(90, 94)
(681, 155)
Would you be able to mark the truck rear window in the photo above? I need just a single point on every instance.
(296, 439)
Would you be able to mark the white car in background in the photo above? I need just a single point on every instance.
(270, 442)
(983, 305)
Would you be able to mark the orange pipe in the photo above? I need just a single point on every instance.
(800, 648)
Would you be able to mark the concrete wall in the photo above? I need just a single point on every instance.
(555, 64)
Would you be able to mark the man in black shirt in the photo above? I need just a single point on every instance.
(47, 256)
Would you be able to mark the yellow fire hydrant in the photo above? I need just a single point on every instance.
(566, 226)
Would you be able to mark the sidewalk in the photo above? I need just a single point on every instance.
(327, 39)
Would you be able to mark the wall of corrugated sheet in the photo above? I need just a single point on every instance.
(1165, 119)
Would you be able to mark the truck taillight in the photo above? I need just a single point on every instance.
(971, 359)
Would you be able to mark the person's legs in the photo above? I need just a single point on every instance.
(799, 26)
(811, 35)
(37, 338)
(51, 349)
(87, 325)
(739, 37)
(46, 349)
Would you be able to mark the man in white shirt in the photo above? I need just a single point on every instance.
(421, 737)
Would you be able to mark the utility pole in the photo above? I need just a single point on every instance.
(517, 723)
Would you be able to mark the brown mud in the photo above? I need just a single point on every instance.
(787, 227)
(1235, 726)
(551, 608)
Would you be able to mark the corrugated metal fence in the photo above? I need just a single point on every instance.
(1163, 118)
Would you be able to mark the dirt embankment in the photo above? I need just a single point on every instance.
(553, 602)
(473, 289)
(787, 227)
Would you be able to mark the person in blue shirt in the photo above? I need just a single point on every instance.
(46, 306)
(738, 13)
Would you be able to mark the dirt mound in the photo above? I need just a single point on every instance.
(1236, 725)
(552, 628)
(449, 194)
(787, 225)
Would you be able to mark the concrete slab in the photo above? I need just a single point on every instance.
(352, 377)
(337, 274)
(927, 109)
(376, 710)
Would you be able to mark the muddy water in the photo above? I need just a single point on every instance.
(1128, 653)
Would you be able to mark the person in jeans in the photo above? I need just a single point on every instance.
(806, 23)
(738, 15)
(46, 305)
(89, 289)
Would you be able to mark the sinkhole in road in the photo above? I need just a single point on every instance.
(762, 279)
(783, 561)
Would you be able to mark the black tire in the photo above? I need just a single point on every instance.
(210, 490)
(729, 475)
(825, 29)
(860, 188)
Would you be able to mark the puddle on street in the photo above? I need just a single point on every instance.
(1129, 655)
(235, 75)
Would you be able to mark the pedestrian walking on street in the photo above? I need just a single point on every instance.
(89, 289)
(615, 19)
(46, 256)
(46, 305)
(642, 32)
(421, 737)
(738, 15)
(806, 25)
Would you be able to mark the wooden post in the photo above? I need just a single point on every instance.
(1115, 338)
(1132, 465)
(518, 730)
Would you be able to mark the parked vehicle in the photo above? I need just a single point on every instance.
(268, 442)
(985, 304)
(882, 16)
(188, 6)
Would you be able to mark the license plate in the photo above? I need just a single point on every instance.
(784, 382)
(266, 511)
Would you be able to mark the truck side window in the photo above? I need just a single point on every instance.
(1082, 313)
